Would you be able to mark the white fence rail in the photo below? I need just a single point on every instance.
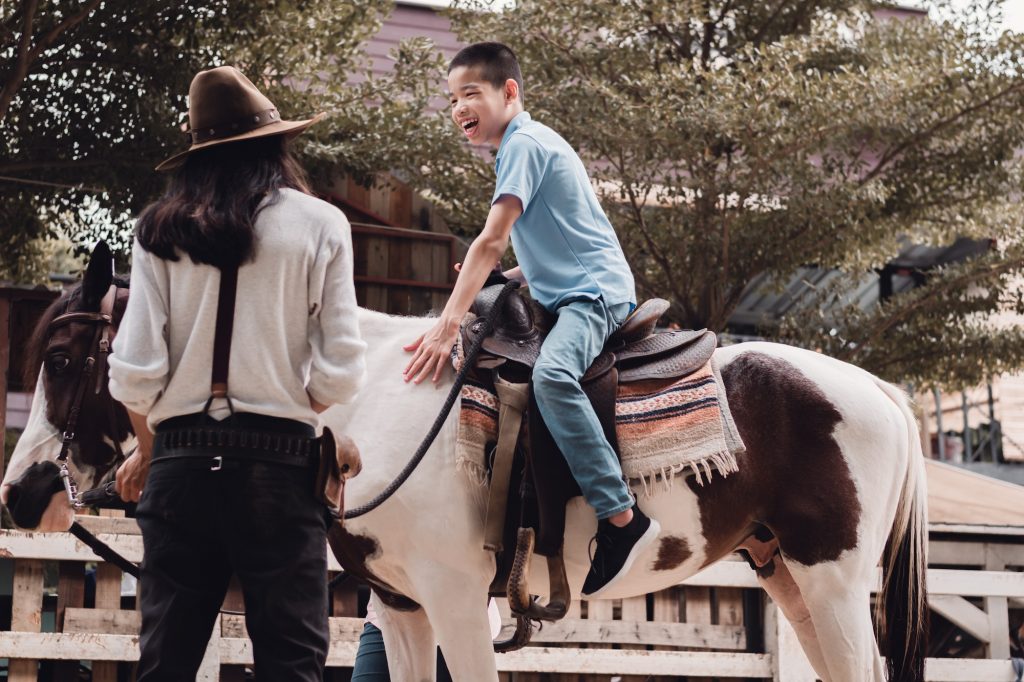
(108, 634)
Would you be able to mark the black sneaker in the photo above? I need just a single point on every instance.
(617, 549)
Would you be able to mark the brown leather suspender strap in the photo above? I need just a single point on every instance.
(222, 334)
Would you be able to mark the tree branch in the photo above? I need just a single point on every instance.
(938, 126)
(26, 56)
(21, 63)
(932, 297)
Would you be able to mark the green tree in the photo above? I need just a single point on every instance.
(92, 94)
(732, 140)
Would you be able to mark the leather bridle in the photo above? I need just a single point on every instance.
(94, 368)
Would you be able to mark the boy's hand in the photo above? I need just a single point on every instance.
(431, 352)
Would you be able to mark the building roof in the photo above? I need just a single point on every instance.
(957, 497)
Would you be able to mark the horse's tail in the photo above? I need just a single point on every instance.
(901, 606)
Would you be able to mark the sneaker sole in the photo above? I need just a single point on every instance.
(643, 543)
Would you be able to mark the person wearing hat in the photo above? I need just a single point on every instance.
(225, 467)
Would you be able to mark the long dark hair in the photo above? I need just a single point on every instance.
(210, 206)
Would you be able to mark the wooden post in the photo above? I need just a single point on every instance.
(70, 594)
(108, 596)
(698, 611)
(233, 601)
(997, 609)
(26, 613)
(789, 664)
(209, 669)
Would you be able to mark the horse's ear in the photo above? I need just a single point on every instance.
(99, 275)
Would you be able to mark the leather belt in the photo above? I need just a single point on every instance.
(242, 445)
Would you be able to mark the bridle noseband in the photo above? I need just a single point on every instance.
(98, 350)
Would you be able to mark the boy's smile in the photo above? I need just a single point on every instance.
(481, 110)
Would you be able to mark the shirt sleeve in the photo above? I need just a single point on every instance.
(140, 361)
(337, 351)
(520, 169)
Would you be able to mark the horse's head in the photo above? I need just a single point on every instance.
(72, 409)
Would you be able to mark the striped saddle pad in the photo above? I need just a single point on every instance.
(664, 428)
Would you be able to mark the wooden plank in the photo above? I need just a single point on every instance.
(233, 601)
(963, 614)
(108, 596)
(77, 646)
(357, 194)
(398, 233)
(70, 596)
(102, 621)
(209, 668)
(612, 662)
(118, 525)
(600, 609)
(634, 617)
(729, 602)
(642, 633)
(697, 610)
(64, 547)
(400, 209)
(998, 617)
(377, 267)
(968, 670)
(26, 616)
(380, 200)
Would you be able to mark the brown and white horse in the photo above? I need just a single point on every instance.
(833, 469)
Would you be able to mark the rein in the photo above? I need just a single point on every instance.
(453, 394)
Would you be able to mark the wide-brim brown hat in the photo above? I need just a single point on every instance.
(224, 106)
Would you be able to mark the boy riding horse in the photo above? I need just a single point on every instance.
(570, 256)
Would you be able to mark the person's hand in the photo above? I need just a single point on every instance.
(431, 352)
(131, 476)
(317, 407)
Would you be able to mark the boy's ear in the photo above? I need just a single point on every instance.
(511, 89)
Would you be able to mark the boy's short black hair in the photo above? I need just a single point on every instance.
(496, 61)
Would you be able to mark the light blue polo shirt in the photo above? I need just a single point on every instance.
(563, 241)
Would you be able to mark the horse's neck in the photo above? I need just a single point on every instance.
(389, 417)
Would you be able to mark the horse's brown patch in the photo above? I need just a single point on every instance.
(793, 478)
(352, 552)
(672, 552)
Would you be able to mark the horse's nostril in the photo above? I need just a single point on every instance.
(11, 500)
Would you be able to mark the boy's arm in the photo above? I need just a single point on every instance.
(431, 351)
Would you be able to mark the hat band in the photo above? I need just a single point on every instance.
(257, 120)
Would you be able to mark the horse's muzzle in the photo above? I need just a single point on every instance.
(29, 495)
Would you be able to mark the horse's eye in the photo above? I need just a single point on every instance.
(59, 363)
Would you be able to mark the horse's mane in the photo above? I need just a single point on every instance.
(37, 341)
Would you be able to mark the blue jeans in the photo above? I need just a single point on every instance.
(372, 661)
(579, 334)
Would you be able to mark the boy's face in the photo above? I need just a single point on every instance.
(480, 110)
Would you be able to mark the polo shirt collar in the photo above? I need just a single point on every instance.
(515, 124)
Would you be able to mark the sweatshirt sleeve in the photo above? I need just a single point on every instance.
(337, 350)
(139, 363)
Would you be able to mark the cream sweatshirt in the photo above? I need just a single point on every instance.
(295, 323)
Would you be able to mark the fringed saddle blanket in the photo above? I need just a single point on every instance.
(663, 428)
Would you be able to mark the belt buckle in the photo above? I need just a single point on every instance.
(218, 463)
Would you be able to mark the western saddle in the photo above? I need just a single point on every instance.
(530, 481)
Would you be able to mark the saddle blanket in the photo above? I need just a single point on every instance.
(663, 428)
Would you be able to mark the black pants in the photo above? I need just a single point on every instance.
(254, 519)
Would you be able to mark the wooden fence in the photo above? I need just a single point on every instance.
(714, 625)
(399, 271)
